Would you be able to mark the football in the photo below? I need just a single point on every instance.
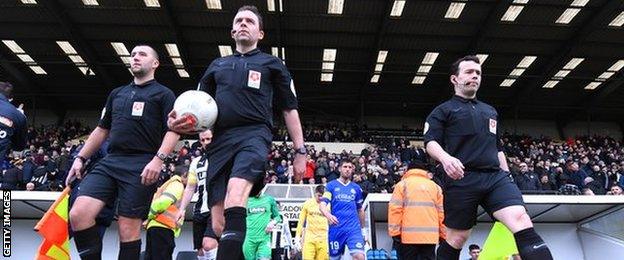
(198, 108)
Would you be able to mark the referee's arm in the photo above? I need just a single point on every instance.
(502, 159)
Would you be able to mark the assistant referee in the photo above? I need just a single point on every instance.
(462, 134)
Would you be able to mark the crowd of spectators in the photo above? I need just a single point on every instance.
(587, 165)
(584, 165)
(43, 165)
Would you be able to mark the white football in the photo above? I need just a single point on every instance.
(199, 109)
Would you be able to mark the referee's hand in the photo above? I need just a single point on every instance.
(453, 167)
(179, 124)
(150, 173)
(74, 172)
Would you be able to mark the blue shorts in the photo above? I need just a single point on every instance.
(118, 178)
(240, 152)
(339, 237)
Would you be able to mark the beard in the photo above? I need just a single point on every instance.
(139, 72)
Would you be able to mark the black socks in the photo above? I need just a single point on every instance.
(130, 250)
(89, 243)
(531, 246)
(231, 242)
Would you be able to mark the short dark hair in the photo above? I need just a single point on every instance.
(473, 247)
(6, 89)
(455, 65)
(320, 189)
(151, 47)
(254, 10)
(181, 170)
(343, 162)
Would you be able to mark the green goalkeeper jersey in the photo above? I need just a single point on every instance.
(260, 211)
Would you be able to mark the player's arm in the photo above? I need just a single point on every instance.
(324, 207)
(359, 204)
(276, 217)
(189, 190)
(302, 218)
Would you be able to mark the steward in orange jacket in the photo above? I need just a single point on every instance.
(415, 215)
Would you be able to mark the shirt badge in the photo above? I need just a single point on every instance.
(492, 126)
(254, 78)
(137, 108)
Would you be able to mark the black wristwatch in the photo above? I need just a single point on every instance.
(161, 156)
(302, 150)
(82, 159)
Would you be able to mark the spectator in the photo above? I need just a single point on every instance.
(333, 171)
(281, 170)
(546, 184)
(616, 190)
(367, 186)
(577, 175)
(385, 182)
(527, 180)
(11, 177)
(310, 167)
(30, 186)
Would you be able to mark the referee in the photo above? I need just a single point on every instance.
(462, 135)
(245, 86)
(135, 121)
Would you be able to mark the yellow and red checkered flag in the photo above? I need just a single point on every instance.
(54, 229)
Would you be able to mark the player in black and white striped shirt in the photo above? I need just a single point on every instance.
(204, 237)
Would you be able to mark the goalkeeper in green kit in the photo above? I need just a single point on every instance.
(262, 215)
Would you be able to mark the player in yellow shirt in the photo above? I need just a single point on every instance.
(316, 226)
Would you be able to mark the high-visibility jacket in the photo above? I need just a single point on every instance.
(165, 205)
(415, 211)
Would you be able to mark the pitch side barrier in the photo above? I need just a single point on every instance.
(574, 227)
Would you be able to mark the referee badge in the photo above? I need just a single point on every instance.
(492, 126)
(137, 108)
(253, 80)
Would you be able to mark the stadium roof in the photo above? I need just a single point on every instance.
(376, 57)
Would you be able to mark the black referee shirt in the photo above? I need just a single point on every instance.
(467, 130)
(243, 86)
(136, 116)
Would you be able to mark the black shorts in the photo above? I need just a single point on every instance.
(202, 227)
(118, 177)
(491, 190)
(238, 152)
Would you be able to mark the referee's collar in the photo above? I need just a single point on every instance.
(145, 84)
(249, 53)
(465, 100)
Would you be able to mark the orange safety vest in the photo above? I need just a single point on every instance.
(415, 211)
(168, 217)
